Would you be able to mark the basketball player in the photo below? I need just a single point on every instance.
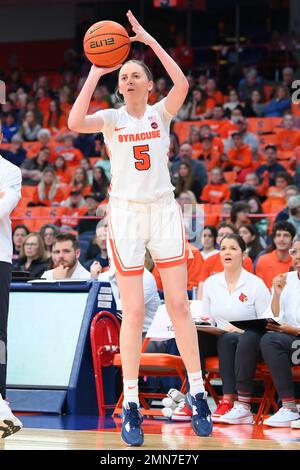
(143, 213)
(10, 193)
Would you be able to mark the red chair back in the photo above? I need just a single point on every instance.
(104, 334)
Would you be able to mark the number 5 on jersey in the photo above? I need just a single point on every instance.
(142, 156)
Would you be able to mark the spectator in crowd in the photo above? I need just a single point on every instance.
(280, 104)
(186, 180)
(100, 183)
(216, 143)
(200, 105)
(278, 345)
(54, 118)
(49, 233)
(32, 256)
(277, 260)
(240, 214)
(85, 164)
(16, 153)
(18, 236)
(289, 137)
(232, 103)
(212, 91)
(255, 106)
(235, 294)
(289, 192)
(71, 154)
(294, 212)
(89, 225)
(97, 250)
(239, 157)
(9, 127)
(225, 215)
(251, 238)
(80, 180)
(32, 168)
(209, 241)
(75, 199)
(271, 166)
(213, 264)
(31, 106)
(43, 100)
(48, 192)
(43, 141)
(65, 256)
(252, 183)
(208, 154)
(217, 190)
(250, 83)
(248, 138)
(98, 101)
(260, 223)
(288, 78)
(194, 264)
(199, 170)
(173, 150)
(277, 193)
(29, 127)
(63, 173)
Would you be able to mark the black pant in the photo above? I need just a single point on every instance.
(238, 356)
(277, 350)
(5, 278)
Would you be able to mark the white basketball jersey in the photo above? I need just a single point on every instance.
(138, 150)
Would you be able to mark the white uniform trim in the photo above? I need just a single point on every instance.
(10, 184)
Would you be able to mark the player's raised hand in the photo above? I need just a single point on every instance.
(141, 34)
(100, 71)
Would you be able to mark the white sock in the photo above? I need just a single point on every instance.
(196, 383)
(131, 391)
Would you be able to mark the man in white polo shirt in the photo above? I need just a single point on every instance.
(65, 255)
(10, 193)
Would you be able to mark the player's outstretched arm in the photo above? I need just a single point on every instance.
(177, 94)
(78, 120)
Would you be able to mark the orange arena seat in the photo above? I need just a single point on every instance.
(267, 139)
(28, 191)
(263, 125)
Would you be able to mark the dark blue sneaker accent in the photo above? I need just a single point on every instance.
(201, 420)
(132, 433)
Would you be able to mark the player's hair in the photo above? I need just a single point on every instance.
(237, 238)
(66, 237)
(144, 67)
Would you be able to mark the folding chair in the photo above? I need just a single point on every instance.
(104, 334)
(262, 374)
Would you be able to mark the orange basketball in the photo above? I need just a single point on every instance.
(106, 44)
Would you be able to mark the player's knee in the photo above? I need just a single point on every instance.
(179, 307)
(134, 317)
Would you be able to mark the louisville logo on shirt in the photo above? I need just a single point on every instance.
(243, 297)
